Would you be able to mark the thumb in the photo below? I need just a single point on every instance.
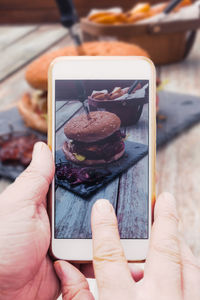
(163, 265)
(108, 257)
(73, 283)
(33, 183)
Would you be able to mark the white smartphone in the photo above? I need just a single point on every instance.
(102, 132)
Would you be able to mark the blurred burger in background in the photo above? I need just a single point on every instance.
(33, 107)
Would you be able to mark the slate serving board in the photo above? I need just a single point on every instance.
(133, 153)
(181, 112)
(12, 118)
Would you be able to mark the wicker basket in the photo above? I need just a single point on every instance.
(129, 111)
(165, 42)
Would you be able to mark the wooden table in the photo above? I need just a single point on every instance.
(127, 193)
(178, 164)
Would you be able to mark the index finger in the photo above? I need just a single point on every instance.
(110, 265)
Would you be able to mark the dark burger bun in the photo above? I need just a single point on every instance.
(31, 118)
(89, 162)
(37, 71)
(101, 124)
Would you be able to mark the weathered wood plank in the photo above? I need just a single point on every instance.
(73, 213)
(66, 112)
(13, 87)
(59, 104)
(132, 206)
(27, 48)
(184, 77)
(9, 35)
(179, 162)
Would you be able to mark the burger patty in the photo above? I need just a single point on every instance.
(103, 149)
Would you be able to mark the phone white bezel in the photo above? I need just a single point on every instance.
(86, 67)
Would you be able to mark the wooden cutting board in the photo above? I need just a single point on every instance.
(179, 113)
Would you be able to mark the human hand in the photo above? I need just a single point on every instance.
(171, 271)
(26, 271)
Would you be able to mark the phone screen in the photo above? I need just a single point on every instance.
(101, 152)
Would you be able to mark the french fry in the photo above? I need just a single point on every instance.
(97, 15)
(106, 19)
(100, 96)
(138, 16)
(140, 7)
(121, 18)
(139, 12)
(116, 93)
(116, 90)
(110, 19)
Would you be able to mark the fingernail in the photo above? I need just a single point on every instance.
(58, 269)
(38, 147)
(103, 205)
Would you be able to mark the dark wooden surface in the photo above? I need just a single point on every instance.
(178, 162)
(45, 11)
(127, 193)
(22, 11)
